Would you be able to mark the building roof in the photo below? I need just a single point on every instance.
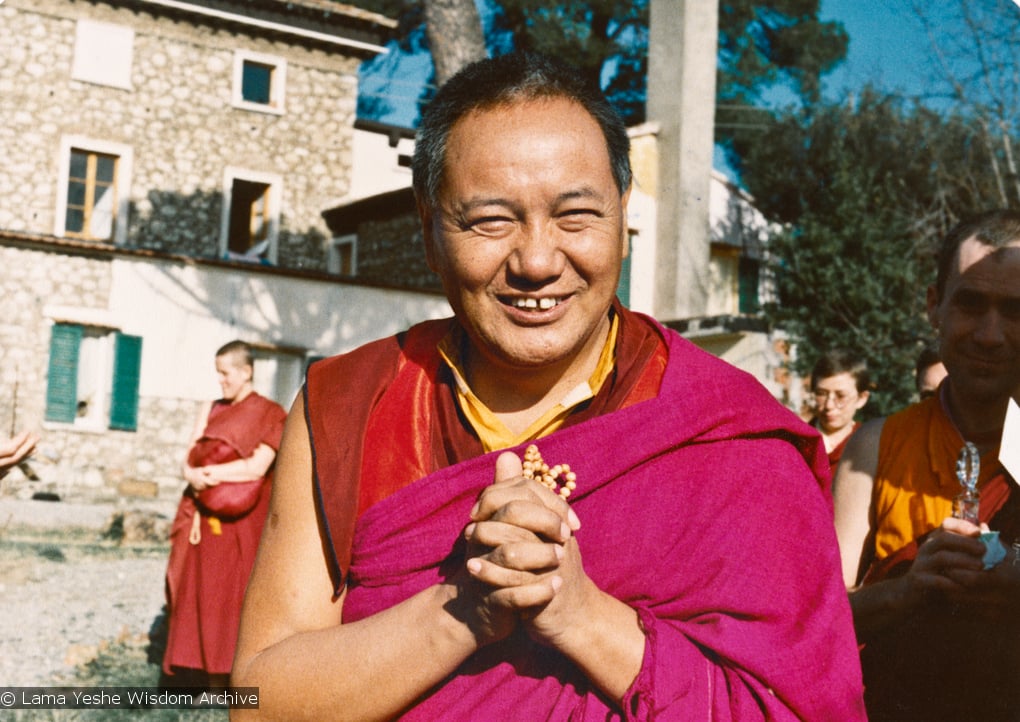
(346, 217)
(324, 7)
(313, 21)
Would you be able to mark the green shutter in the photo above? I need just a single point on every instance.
(62, 379)
(623, 288)
(127, 364)
(747, 281)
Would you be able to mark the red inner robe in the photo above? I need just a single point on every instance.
(205, 582)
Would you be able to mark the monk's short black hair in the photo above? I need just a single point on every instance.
(504, 80)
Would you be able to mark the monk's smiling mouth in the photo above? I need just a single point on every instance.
(535, 304)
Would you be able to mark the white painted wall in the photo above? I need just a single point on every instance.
(374, 166)
(185, 312)
(641, 221)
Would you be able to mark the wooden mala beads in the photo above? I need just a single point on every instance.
(549, 476)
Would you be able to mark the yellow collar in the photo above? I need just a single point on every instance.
(492, 432)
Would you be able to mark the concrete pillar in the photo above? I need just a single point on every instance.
(682, 49)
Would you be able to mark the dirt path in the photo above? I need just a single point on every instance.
(64, 593)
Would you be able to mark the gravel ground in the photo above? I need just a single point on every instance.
(65, 593)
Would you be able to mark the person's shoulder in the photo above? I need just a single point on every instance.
(913, 420)
(716, 382)
(377, 357)
(868, 435)
(267, 405)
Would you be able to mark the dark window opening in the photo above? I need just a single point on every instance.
(249, 216)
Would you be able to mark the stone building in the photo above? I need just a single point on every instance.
(166, 166)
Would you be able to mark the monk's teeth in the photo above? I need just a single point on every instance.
(542, 304)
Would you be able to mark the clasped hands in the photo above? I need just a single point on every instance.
(199, 478)
(950, 563)
(523, 559)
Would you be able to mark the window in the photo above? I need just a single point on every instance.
(343, 256)
(251, 215)
(258, 82)
(91, 195)
(747, 281)
(93, 377)
(94, 178)
(103, 53)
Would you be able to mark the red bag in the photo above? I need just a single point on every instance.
(230, 499)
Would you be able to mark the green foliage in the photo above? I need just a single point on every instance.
(760, 43)
(861, 192)
(588, 33)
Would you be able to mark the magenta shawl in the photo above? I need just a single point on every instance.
(703, 510)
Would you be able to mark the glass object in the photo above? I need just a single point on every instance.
(968, 466)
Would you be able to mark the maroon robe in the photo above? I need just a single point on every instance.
(205, 582)
(704, 507)
(837, 453)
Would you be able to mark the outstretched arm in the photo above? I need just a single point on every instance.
(16, 449)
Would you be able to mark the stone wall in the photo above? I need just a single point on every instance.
(180, 123)
(73, 462)
(392, 251)
(30, 281)
(183, 131)
(183, 310)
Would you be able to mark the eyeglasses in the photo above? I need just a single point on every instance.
(839, 398)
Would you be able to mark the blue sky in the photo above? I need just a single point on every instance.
(888, 46)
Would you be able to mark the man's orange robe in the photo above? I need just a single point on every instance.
(944, 662)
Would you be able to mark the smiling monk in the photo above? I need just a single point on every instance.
(938, 618)
(546, 507)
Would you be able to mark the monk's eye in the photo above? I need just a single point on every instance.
(970, 301)
(490, 225)
(576, 218)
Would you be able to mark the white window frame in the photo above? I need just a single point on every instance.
(125, 157)
(95, 360)
(277, 85)
(333, 255)
(103, 53)
(275, 183)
